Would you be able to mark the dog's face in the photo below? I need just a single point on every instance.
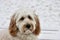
(24, 22)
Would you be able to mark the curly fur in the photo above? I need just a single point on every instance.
(17, 28)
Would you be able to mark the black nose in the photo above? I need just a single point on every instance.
(28, 26)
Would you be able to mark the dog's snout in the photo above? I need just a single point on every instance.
(28, 26)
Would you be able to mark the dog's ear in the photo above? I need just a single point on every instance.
(12, 27)
(37, 30)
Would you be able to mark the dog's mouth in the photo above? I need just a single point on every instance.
(27, 32)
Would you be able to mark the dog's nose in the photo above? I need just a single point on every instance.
(28, 26)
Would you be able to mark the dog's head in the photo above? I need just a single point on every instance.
(24, 22)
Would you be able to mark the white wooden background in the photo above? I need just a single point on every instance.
(47, 10)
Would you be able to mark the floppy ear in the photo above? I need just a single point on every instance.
(37, 30)
(12, 27)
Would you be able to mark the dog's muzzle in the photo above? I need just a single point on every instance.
(27, 28)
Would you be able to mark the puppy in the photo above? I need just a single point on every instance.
(24, 25)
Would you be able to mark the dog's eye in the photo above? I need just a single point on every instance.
(22, 18)
(17, 29)
(29, 17)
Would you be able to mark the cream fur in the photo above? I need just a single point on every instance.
(5, 35)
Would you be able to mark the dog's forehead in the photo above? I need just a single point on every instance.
(25, 13)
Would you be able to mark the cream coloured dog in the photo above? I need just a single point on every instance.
(24, 25)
